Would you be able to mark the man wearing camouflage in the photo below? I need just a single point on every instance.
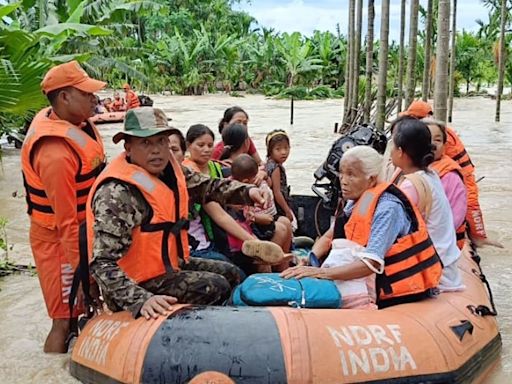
(137, 227)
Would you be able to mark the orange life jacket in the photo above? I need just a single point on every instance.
(157, 245)
(443, 166)
(412, 266)
(118, 105)
(455, 149)
(92, 161)
(132, 100)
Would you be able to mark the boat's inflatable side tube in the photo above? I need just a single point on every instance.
(242, 343)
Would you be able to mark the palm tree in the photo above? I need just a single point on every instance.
(502, 58)
(369, 62)
(425, 91)
(411, 57)
(452, 61)
(401, 58)
(441, 83)
(383, 66)
(357, 52)
(349, 66)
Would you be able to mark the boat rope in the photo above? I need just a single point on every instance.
(481, 310)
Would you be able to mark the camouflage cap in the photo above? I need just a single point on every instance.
(143, 122)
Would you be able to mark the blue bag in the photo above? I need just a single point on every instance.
(269, 289)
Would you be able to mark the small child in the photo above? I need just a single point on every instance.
(278, 150)
(265, 223)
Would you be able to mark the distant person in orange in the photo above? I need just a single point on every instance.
(61, 157)
(132, 100)
(454, 148)
(118, 104)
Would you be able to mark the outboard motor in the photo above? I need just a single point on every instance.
(329, 192)
(145, 101)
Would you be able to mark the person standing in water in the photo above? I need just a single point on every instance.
(61, 157)
(132, 100)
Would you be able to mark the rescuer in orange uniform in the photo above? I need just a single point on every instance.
(61, 156)
(454, 148)
(132, 100)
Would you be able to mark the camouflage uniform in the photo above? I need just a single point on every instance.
(119, 208)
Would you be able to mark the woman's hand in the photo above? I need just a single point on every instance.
(263, 219)
(157, 305)
(302, 271)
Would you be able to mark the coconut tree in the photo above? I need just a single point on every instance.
(356, 55)
(441, 82)
(411, 57)
(349, 65)
(368, 100)
(501, 58)
(401, 58)
(425, 90)
(452, 61)
(383, 65)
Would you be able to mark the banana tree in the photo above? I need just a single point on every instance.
(296, 56)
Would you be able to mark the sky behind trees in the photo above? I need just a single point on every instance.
(307, 15)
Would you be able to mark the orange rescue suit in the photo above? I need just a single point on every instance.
(412, 266)
(443, 166)
(455, 149)
(132, 100)
(92, 160)
(157, 245)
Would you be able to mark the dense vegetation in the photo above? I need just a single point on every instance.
(198, 46)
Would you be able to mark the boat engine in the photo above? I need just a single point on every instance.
(327, 184)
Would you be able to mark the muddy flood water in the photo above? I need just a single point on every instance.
(24, 323)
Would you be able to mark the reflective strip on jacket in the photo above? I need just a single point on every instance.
(89, 150)
(158, 244)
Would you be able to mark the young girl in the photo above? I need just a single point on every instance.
(451, 177)
(278, 150)
(235, 115)
(413, 152)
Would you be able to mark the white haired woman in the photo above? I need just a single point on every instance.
(379, 217)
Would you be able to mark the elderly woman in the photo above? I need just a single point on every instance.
(379, 217)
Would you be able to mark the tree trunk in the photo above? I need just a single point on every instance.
(349, 65)
(452, 62)
(443, 37)
(369, 62)
(357, 53)
(383, 66)
(501, 62)
(425, 90)
(411, 57)
(401, 58)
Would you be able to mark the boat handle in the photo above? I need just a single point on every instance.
(464, 327)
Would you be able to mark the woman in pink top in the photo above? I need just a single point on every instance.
(449, 172)
(235, 115)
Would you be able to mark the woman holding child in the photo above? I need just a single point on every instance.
(397, 252)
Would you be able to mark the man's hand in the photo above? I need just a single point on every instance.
(260, 176)
(302, 271)
(259, 196)
(157, 305)
(97, 302)
(264, 219)
(483, 242)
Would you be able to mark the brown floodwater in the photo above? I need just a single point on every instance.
(24, 322)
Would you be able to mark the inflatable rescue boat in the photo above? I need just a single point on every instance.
(453, 338)
(108, 117)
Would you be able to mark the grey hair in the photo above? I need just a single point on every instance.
(369, 157)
